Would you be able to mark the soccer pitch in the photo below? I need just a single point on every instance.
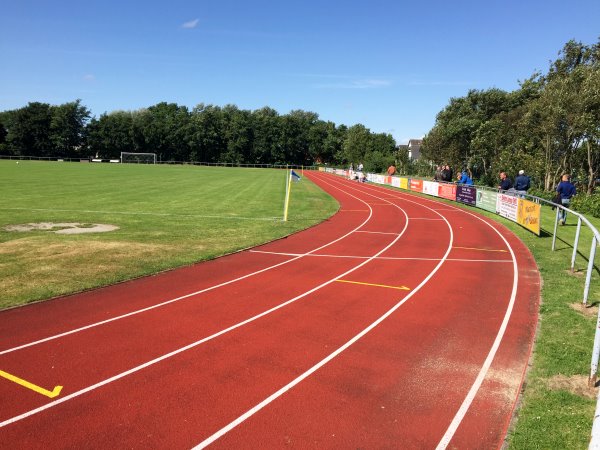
(167, 216)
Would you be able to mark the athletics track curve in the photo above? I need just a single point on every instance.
(401, 322)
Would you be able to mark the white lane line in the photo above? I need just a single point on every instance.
(192, 294)
(209, 440)
(373, 232)
(464, 407)
(391, 258)
(201, 341)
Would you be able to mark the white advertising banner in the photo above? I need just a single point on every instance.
(507, 206)
(430, 188)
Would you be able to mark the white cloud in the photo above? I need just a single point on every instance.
(190, 24)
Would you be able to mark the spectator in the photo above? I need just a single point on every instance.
(360, 167)
(522, 183)
(566, 190)
(438, 174)
(447, 174)
(391, 170)
(505, 183)
(464, 178)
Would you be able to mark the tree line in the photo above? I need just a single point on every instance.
(547, 127)
(206, 133)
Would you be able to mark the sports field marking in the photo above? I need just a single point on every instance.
(195, 216)
(401, 288)
(483, 249)
(324, 361)
(424, 218)
(462, 411)
(20, 381)
(373, 232)
(354, 210)
(183, 297)
(201, 341)
(391, 258)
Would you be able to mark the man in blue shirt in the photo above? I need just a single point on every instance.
(505, 183)
(566, 190)
(522, 183)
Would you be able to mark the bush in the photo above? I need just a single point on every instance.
(587, 204)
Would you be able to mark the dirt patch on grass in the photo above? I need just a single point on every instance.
(63, 227)
(576, 384)
(588, 311)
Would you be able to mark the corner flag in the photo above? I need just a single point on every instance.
(292, 177)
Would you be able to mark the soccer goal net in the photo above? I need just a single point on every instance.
(138, 158)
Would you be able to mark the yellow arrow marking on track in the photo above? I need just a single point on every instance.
(481, 249)
(54, 393)
(401, 288)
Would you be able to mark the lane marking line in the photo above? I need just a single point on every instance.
(389, 258)
(26, 384)
(462, 411)
(208, 338)
(400, 288)
(374, 232)
(183, 297)
(209, 440)
(482, 249)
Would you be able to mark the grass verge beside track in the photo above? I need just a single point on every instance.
(168, 216)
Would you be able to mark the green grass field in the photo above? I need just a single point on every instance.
(168, 216)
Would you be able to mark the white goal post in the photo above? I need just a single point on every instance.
(138, 158)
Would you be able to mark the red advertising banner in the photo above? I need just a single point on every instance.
(447, 191)
(416, 185)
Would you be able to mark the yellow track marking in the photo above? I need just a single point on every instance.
(400, 288)
(482, 249)
(54, 393)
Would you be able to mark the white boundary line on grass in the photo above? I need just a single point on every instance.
(206, 339)
(133, 213)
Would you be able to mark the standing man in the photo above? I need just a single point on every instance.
(522, 183)
(505, 183)
(566, 190)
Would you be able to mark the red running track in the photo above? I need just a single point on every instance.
(401, 322)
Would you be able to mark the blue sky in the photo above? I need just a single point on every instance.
(390, 65)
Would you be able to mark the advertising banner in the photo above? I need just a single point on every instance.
(528, 215)
(447, 191)
(416, 185)
(507, 206)
(430, 188)
(466, 194)
(388, 180)
(403, 183)
(487, 200)
(396, 182)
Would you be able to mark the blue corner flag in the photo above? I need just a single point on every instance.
(295, 176)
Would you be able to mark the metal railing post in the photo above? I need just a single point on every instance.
(595, 355)
(555, 229)
(588, 275)
(575, 245)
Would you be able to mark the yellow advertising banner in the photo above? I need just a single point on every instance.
(403, 183)
(528, 215)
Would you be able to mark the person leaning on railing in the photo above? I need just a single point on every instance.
(566, 190)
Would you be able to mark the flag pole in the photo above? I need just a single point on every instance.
(287, 196)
